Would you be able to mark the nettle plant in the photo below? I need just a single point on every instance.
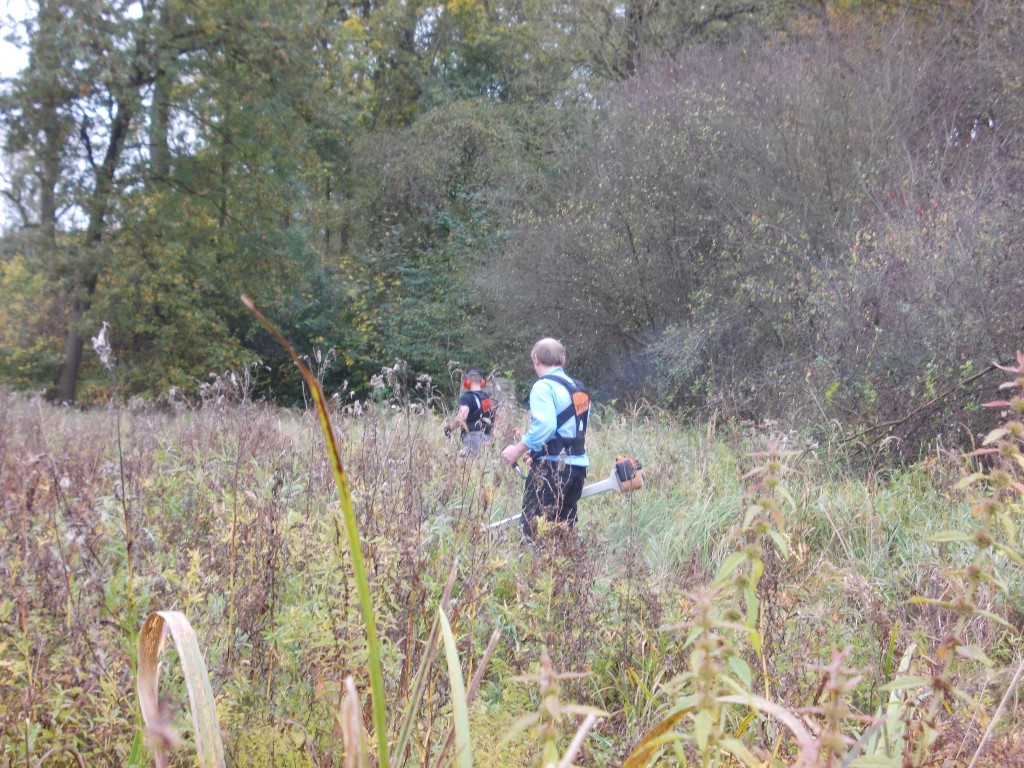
(714, 699)
(982, 559)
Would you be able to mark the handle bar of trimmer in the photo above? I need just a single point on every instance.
(625, 477)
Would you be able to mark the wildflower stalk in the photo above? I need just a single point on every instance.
(104, 350)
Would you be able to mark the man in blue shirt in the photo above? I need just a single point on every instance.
(559, 409)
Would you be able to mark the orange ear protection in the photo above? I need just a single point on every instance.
(466, 383)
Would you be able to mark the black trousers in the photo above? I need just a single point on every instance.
(552, 490)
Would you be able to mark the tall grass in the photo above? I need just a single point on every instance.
(236, 523)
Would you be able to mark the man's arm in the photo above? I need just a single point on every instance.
(514, 453)
(458, 420)
(543, 421)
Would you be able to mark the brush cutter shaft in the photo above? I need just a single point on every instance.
(610, 483)
(506, 521)
(627, 476)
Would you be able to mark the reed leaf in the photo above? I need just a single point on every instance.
(420, 681)
(460, 710)
(352, 728)
(209, 748)
(352, 534)
(654, 740)
(478, 676)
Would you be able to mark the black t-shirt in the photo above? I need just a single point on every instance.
(481, 410)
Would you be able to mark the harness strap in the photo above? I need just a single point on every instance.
(571, 446)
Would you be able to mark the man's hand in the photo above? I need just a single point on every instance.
(514, 453)
(447, 431)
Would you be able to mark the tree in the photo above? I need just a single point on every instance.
(195, 145)
(72, 113)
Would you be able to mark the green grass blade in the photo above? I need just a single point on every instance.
(380, 723)
(460, 710)
(420, 681)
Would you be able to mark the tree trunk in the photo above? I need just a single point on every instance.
(160, 113)
(71, 363)
(67, 376)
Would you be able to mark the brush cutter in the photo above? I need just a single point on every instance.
(626, 477)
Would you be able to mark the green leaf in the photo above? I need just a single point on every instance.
(732, 562)
(876, 761)
(738, 749)
(909, 681)
(970, 480)
(355, 547)
(994, 618)
(780, 542)
(918, 600)
(137, 757)
(741, 669)
(1010, 553)
(944, 537)
(460, 710)
(784, 493)
(974, 652)
(702, 729)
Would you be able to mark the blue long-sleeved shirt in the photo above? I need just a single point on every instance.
(547, 400)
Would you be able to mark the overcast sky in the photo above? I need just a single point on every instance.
(11, 59)
(11, 62)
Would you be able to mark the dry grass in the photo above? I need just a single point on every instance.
(231, 513)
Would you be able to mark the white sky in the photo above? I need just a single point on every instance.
(12, 60)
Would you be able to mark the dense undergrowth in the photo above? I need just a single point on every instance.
(749, 565)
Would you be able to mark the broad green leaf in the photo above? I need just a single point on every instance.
(918, 600)
(1010, 553)
(876, 761)
(784, 492)
(583, 709)
(780, 542)
(732, 562)
(994, 618)
(1009, 527)
(742, 670)
(751, 603)
(692, 635)
(756, 571)
(970, 480)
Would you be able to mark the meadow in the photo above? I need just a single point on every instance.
(758, 602)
